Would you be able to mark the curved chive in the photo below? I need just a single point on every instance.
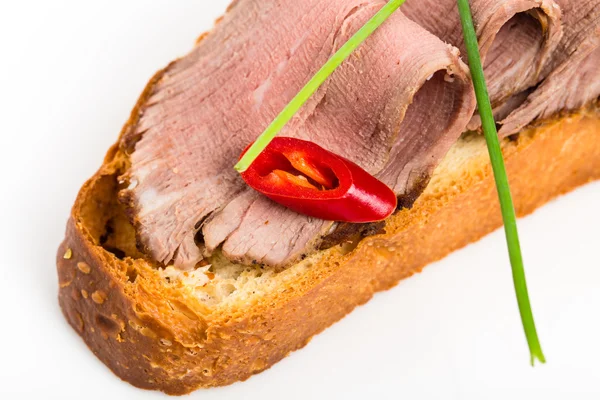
(506, 202)
(311, 87)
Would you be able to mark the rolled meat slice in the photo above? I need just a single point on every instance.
(516, 37)
(573, 72)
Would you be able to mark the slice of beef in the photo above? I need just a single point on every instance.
(516, 37)
(210, 104)
(347, 232)
(404, 89)
(273, 235)
(573, 73)
(502, 111)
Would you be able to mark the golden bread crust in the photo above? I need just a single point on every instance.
(157, 337)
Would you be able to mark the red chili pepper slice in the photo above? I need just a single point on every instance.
(313, 181)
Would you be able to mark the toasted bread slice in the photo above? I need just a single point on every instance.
(175, 331)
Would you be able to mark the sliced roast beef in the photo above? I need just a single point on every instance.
(412, 93)
(516, 37)
(573, 73)
(394, 107)
(213, 102)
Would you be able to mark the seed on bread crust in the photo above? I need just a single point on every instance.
(83, 267)
(68, 254)
(99, 296)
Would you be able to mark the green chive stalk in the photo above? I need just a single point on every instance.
(315, 83)
(489, 129)
(506, 202)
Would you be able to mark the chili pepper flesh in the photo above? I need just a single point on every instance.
(283, 177)
(313, 181)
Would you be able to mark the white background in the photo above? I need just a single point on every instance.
(70, 71)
